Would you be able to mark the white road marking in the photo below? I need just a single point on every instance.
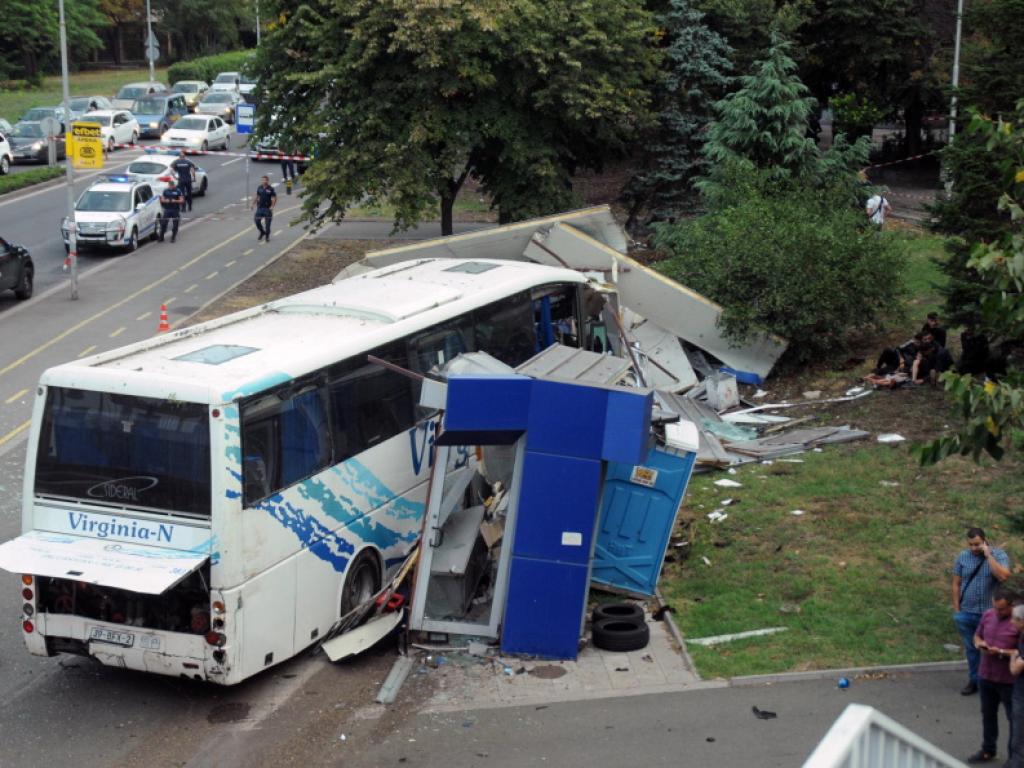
(229, 162)
(231, 263)
(118, 332)
(87, 350)
(212, 275)
(191, 288)
(143, 316)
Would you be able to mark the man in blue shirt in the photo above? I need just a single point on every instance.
(264, 201)
(171, 201)
(186, 171)
(977, 571)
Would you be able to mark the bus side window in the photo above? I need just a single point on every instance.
(438, 345)
(556, 314)
(283, 441)
(369, 404)
(505, 329)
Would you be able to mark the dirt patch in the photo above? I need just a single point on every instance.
(311, 263)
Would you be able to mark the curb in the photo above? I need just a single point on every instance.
(851, 672)
(676, 634)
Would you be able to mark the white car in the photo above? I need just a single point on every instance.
(219, 103)
(155, 168)
(200, 132)
(117, 126)
(117, 212)
(227, 81)
(6, 156)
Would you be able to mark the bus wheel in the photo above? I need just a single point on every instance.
(362, 582)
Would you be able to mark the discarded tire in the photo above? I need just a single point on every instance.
(620, 635)
(621, 611)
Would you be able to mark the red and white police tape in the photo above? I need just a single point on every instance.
(218, 152)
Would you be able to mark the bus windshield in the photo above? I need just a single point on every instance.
(127, 451)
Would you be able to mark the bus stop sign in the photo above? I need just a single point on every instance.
(245, 118)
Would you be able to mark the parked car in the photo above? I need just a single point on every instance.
(268, 148)
(117, 126)
(116, 212)
(16, 269)
(79, 105)
(246, 85)
(6, 155)
(132, 91)
(199, 132)
(29, 143)
(156, 168)
(5, 127)
(36, 114)
(158, 113)
(219, 103)
(227, 81)
(192, 90)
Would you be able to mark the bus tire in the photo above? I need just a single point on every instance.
(362, 581)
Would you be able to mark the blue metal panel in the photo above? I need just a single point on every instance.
(488, 403)
(627, 426)
(636, 521)
(544, 613)
(557, 508)
(567, 419)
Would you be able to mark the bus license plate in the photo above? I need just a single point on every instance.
(104, 635)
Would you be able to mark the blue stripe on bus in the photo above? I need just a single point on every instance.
(268, 381)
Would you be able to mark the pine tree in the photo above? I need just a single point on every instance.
(696, 67)
(763, 125)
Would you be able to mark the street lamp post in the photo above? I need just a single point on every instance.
(956, 69)
(149, 41)
(257, 22)
(69, 178)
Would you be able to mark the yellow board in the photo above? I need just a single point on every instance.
(86, 145)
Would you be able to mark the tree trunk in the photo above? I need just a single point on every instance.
(913, 117)
(447, 206)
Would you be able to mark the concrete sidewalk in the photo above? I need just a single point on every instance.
(696, 727)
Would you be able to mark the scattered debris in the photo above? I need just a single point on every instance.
(854, 391)
(797, 512)
(759, 394)
(393, 682)
(888, 483)
(717, 516)
(763, 714)
(718, 639)
(726, 483)
(843, 682)
(705, 559)
(813, 394)
(727, 502)
(891, 438)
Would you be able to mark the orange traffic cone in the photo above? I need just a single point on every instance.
(164, 325)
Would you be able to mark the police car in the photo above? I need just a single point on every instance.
(114, 212)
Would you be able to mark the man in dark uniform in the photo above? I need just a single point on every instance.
(186, 171)
(264, 201)
(171, 200)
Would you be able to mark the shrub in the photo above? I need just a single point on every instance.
(208, 67)
(799, 263)
(15, 181)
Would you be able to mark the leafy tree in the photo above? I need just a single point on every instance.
(761, 130)
(746, 255)
(748, 25)
(993, 69)
(406, 99)
(30, 33)
(993, 411)
(696, 67)
(198, 27)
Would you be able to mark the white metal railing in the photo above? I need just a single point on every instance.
(863, 737)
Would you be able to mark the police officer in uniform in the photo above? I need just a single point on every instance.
(264, 201)
(186, 171)
(171, 200)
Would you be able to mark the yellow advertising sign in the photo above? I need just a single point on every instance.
(86, 145)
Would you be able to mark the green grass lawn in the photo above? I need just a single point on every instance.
(15, 181)
(862, 578)
(13, 104)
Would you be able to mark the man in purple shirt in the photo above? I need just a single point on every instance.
(996, 640)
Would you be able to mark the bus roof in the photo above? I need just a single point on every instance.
(252, 350)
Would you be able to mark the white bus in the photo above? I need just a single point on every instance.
(209, 502)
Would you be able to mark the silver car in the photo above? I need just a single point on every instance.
(219, 103)
(128, 94)
(79, 105)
